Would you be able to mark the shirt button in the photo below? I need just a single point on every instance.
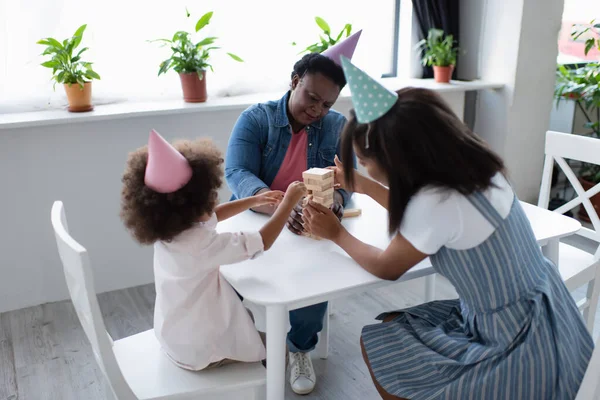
(310, 144)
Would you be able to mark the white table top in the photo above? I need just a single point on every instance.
(298, 271)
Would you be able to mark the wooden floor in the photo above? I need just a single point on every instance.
(44, 353)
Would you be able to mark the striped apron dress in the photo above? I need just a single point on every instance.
(514, 333)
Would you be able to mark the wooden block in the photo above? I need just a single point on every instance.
(324, 194)
(352, 212)
(317, 186)
(319, 174)
(324, 202)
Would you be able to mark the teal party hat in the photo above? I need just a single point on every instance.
(371, 100)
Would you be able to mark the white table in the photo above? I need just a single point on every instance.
(297, 271)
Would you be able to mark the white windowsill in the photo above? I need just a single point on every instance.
(137, 109)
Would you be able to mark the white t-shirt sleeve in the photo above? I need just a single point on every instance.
(436, 217)
(431, 220)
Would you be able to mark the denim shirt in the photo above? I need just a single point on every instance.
(260, 139)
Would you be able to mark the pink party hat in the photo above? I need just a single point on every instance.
(344, 48)
(167, 170)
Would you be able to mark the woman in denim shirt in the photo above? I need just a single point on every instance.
(271, 145)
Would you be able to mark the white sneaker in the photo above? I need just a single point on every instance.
(302, 373)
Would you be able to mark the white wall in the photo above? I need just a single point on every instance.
(519, 49)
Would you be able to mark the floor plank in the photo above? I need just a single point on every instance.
(79, 362)
(8, 376)
(125, 312)
(40, 368)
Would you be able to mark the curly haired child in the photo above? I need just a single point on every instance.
(169, 199)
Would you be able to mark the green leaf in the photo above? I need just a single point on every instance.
(323, 25)
(204, 20)
(55, 43)
(187, 13)
(75, 59)
(588, 46)
(236, 58)
(81, 51)
(180, 36)
(43, 42)
(92, 74)
(205, 41)
(163, 41)
(78, 35)
(50, 64)
(348, 29)
(164, 66)
(60, 77)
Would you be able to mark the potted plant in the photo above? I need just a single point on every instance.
(191, 60)
(582, 85)
(326, 41)
(439, 51)
(75, 74)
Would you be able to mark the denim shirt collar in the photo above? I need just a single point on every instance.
(281, 117)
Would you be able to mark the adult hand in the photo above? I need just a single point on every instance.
(295, 222)
(321, 221)
(268, 209)
(340, 182)
(337, 207)
(271, 197)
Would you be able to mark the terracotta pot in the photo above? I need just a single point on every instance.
(582, 214)
(443, 74)
(80, 100)
(194, 88)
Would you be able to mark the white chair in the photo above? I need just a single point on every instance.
(135, 367)
(576, 266)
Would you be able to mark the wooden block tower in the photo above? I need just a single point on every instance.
(319, 184)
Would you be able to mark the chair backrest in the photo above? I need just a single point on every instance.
(78, 274)
(590, 386)
(561, 146)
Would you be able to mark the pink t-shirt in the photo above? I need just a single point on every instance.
(293, 164)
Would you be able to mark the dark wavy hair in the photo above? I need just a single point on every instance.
(313, 63)
(420, 142)
(151, 216)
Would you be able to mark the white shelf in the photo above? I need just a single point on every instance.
(138, 109)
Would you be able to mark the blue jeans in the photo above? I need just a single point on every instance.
(306, 323)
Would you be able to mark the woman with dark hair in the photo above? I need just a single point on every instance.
(271, 145)
(515, 331)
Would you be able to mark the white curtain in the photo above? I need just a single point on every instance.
(259, 31)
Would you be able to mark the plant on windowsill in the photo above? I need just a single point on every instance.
(191, 60)
(439, 51)
(582, 85)
(327, 40)
(75, 75)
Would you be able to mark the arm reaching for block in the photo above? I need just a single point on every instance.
(271, 230)
(227, 210)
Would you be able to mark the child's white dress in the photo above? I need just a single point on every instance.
(198, 317)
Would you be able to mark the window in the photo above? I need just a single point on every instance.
(577, 12)
(259, 31)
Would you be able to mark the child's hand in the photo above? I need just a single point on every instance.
(272, 197)
(295, 191)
